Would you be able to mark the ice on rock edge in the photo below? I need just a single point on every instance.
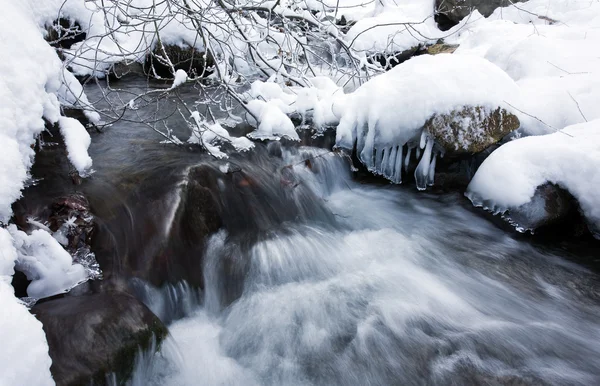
(389, 111)
(570, 158)
(45, 262)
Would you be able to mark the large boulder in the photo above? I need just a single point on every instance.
(456, 10)
(471, 129)
(93, 335)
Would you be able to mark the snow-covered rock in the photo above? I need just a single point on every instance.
(509, 177)
(390, 111)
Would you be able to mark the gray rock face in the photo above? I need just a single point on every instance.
(456, 10)
(471, 129)
(92, 335)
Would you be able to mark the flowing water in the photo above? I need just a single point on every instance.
(394, 288)
(317, 279)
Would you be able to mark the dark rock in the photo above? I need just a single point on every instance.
(455, 10)
(121, 69)
(93, 335)
(472, 129)
(389, 61)
(63, 33)
(184, 57)
(551, 211)
(71, 214)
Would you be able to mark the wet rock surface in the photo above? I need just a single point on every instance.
(91, 336)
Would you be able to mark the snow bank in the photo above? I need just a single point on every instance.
(24, 354)
(32, 81)
(390, 110)
(509, 177)
(549, 49)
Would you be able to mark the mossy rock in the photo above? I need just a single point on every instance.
(471, 129)
(91, 336)
(441, 48)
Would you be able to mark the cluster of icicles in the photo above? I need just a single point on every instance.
(388, 160)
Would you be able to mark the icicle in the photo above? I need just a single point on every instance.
(423, 168)
(407, 159)
(418, 152)
(431, 173)
(423, 140)
(388, 161)
(367, 155)
(379, 155)
(397, 178)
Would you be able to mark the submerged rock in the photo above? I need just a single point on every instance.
(471, 129)
(94, 335)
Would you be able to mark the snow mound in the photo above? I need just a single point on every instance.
(314, 100)
(49, 267)
(509, 177)
(389, 111)
(395, 27)
(548, 48)
(271, 122)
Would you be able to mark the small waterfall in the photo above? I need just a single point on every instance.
(391, 289)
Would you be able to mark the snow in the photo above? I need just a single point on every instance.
(210, 135)
(45, 262)
(395, 26)
(570, 158)
(389, 111)
(554, 63)
(270, 121)
(180, 78)
(24, 354)
(77, 140)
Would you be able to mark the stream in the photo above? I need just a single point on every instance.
(315, 278)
